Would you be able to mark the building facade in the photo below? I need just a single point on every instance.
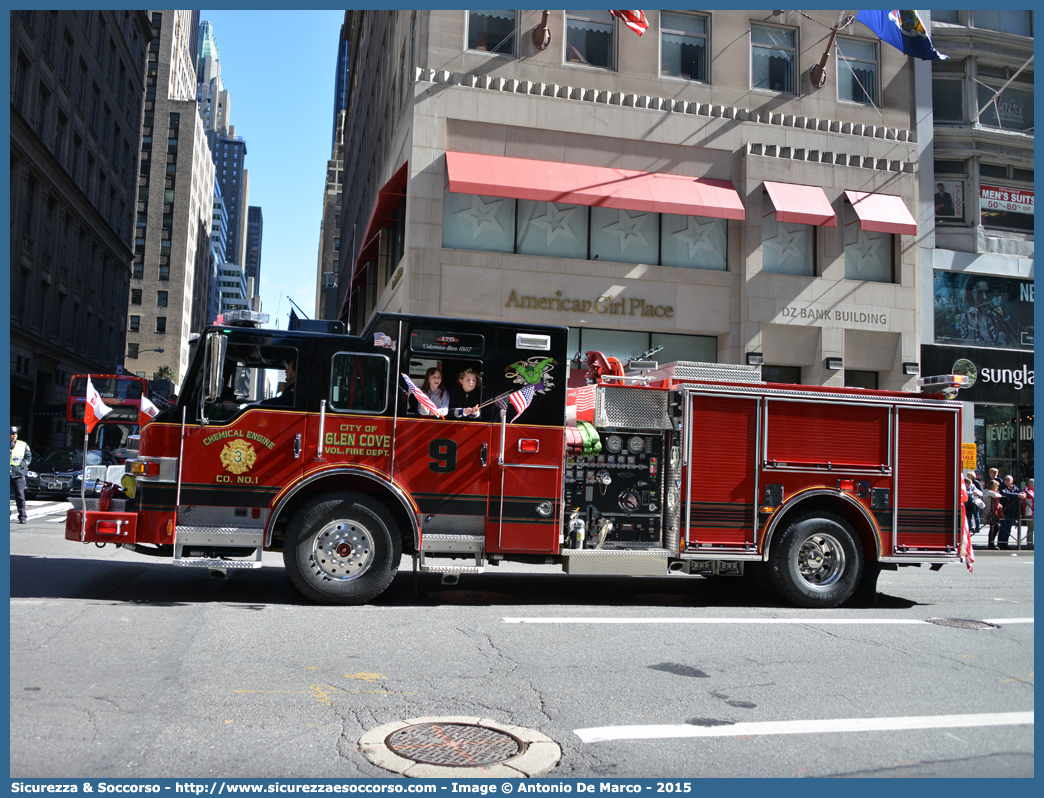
(689, 188)
(326, 301)
(77, 82)
(977, 226)
(170, 277)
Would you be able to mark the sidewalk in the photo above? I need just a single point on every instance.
(981, 538)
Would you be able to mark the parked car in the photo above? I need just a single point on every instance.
(61, 470)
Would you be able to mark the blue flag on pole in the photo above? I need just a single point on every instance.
(904, 31)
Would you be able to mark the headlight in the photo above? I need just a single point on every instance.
(31, 474)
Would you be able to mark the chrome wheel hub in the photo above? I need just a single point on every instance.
(343, 550)
(821, 561)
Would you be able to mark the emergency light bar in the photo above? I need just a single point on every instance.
(242, 318)
(944, 383)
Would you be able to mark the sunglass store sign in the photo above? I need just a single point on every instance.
(999, 377)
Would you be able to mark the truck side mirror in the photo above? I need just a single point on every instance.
(213, 370)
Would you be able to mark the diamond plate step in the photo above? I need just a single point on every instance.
(451, 569)
(193, 562)
(444, 542)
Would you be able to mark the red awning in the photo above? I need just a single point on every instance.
(797, 204)
(882, 213)
(601, 186)
(383, 214)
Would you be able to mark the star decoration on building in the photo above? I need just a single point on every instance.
(699, 237)
(556, 222)
(629, 229)
(787, 243)
(865, 253)
(482, 216)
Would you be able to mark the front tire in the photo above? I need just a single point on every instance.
(817, 563)
(342, 548)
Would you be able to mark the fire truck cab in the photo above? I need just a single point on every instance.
(683, 468)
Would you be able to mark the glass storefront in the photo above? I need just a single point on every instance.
(1004, 440)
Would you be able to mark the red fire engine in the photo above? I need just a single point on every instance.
(683, 468)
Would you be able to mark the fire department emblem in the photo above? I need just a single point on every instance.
(238, 456)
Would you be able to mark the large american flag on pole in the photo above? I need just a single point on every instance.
(635, 20)
(422, 398)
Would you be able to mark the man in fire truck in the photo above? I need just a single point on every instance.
(285, 398)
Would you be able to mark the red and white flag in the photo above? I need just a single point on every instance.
(635, 20)
(95, 409)
(966, 551)
(147, 412)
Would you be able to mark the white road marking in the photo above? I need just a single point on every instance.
(741, 621)
(824, 726)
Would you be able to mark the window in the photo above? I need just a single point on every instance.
(683, 45)
(1005, 20)
(788, 375)
(135, 323)
(552, 229)
(950, 190)
(945, 16)
(19, 93)
(624, 344)
(693, 242)
(132, 351)
(1013, 109)
(161, 299)
(43, 98)
(948, 94)
(786, 248)
(359, 383)
(861, 379)
(138, 272)
(164, 272)
(856, 71)
(161, 324)
(491, 31)
(135, 296)
(589, 38)
(868, 255)
(773, 58)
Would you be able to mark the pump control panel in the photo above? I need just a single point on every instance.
(624, 485)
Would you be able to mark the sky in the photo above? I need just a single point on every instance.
(278, 67)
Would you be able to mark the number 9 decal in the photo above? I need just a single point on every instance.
(443, 453)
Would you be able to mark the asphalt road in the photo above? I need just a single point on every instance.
(122, 666)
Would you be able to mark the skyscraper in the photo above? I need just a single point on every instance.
(170, 278)
(77, 80)
(255, 226)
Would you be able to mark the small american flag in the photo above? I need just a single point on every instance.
(635, 20)
(422, 398)
(519, 400)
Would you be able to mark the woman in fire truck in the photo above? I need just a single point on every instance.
(465, 397)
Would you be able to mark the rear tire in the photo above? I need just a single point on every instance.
(342, 548)
(817, 562)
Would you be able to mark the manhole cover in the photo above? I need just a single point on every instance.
(454, 744)
(960, 623)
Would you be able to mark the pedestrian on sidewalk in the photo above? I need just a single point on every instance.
(974, 503)
(1011, 499)
(1027, 511)
(991, 495)
(21, 456)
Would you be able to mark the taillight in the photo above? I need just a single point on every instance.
(142, 468)
(847, 485)
(529, 445)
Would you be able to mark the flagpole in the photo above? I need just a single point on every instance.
(83, 484)
(1002, 88)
